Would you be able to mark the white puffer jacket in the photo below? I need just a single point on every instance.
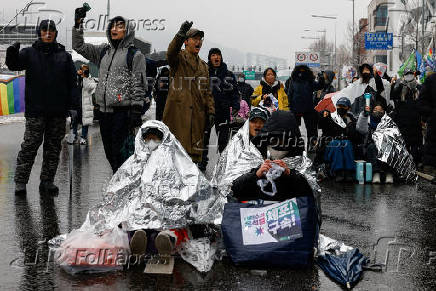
(88, 89)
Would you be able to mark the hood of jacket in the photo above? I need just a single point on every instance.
(306, 75)
(129, 36)
(330, 76)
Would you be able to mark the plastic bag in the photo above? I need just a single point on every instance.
(275, 172)
(84, 251)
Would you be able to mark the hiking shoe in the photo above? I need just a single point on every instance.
(376, 178)
(164, 243)
(47, 187)
(83, 141)
(20, 189)
(138, 243)
(389, 178)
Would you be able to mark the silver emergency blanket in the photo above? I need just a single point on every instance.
(331, 246)
(337, 119)
(241, 156)
(392, 149)
(159, 189)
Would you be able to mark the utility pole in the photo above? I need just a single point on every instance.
(108, 9)
(353, 35)
(422, 28)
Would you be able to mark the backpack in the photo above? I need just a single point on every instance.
(129, 57)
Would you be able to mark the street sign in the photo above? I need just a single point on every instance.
(250, 75)
(310, 59)
(379, 40)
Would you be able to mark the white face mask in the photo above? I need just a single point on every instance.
(152, 144)
(409, 77)
(275, 154)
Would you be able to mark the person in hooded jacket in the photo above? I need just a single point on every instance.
(51, 91)
(339, 131)
(406, 115)
(280, 137)
(300, 90)
(366, 125)
(245, 90)
(270, 85)
(121, 90)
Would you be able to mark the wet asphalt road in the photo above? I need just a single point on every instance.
(400, 218)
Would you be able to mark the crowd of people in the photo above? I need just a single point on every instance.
(193, 97)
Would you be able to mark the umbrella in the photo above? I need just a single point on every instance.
(345, 269)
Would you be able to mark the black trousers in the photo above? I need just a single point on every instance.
(51, 130)
(311, 122)
(114, 130)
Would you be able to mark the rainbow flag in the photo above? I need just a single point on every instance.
(11, 94)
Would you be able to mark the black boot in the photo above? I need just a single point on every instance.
(349, 176)
(47, 187)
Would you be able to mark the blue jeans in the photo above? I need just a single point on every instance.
(84, 130)
(339, 154)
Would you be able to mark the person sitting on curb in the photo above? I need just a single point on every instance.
(339, 127)
(366, 125)
(280, 137)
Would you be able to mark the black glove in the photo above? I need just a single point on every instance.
(14, 48)
(184, 28)
(211, 120)
(135, 116)
(79, 15)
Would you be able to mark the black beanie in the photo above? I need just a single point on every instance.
(214, 51)
(46, 23)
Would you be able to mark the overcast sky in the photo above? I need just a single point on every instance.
(269, 27)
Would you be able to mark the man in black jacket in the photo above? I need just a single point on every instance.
(225, 93)
(300, 88)
(50, 92)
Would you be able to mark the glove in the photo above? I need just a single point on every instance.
(211, 120)
(135, 116)
(14, 48)
(73, 115)
(184, 28)
(79, 15)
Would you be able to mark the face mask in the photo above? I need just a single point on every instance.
(241, 80)
(275, 154)
(342, 111)
(366, 76)
(378, 115)
(152, 144)
(409, 78)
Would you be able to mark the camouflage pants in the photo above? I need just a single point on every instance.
(52, 131)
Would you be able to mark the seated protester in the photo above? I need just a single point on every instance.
(270, 85)
(338, 130)
(277, 135)
(367, 125)
(242, 116)
(160, 195)
(406, 114)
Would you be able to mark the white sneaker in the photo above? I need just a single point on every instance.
(389, 178)
(376, 178)
(83, 141)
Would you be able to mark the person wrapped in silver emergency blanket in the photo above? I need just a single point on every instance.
(162, 200)
(384, 146)
(265, 160)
